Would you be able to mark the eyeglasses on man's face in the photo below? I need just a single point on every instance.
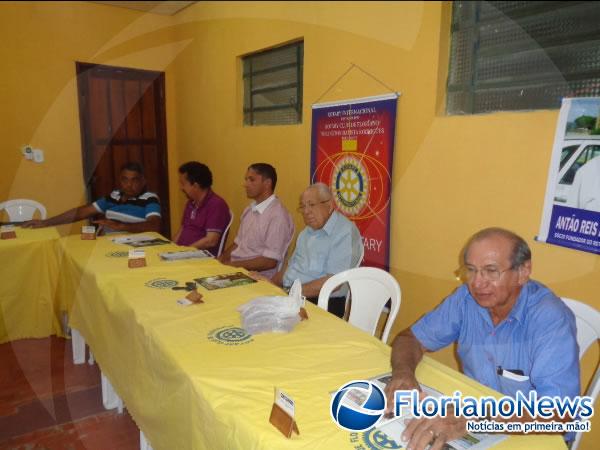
(302, 207)
(487, 273)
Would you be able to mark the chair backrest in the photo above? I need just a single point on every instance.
(371, 289)
(21, 209)
(225, 233)
(361, 256)
(280, 264)
(587, 320)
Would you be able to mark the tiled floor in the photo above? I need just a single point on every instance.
(47, 403)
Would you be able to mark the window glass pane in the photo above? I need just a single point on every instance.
(522, 55)
(569, 175)
(246, 92)
(280, 97)
(273, 86)
(274, 79)
(461, 69)
(286, 116)
(567, 152)
(278, 57)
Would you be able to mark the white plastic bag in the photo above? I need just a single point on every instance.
(274, 314)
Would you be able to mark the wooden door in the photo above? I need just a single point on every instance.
(122, 118)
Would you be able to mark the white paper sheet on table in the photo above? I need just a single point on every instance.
(394, 427)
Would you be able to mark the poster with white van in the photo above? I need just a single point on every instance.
(571, 216)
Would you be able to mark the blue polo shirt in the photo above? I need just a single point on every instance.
(538, 337)
(329, 250)
(132, 210)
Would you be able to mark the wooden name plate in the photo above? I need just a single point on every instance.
(303, 314)
(8, 232)
(282, 414)
(88, 233)
(137, 258)
(194, 297)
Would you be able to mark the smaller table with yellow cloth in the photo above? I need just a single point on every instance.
(28, 281)
(192, 378)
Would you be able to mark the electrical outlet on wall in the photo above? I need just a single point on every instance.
(27, 151)
(38, 155)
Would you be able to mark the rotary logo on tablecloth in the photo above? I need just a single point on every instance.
(117, 254)
(161, 283)
(230, 335)
(373, 439)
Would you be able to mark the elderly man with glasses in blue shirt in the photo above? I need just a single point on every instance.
(329, 244)
(513, 334)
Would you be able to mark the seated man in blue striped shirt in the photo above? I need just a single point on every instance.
(130, 208)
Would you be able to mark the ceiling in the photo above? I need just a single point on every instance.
(165, 8)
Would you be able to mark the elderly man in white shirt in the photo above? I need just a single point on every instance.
(329, 244)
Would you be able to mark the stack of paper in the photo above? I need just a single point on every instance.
(188, 254)
(139, 240)
(130, 239)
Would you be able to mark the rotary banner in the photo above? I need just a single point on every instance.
(351, 151)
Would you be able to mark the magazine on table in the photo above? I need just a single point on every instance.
(224, 281)
(185, 254)
(140, 240)
(148, 243)
(394, 427)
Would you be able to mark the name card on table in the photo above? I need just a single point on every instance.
(8, 232)
(282, 414)
(192, 298)
(88, 233)
(137, 258)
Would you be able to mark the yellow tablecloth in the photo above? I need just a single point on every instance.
(192, 379)
(28, 278)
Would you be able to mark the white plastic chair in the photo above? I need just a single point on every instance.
(225, 233)
(144, 444)
(110, 398)
(361, 256)
(21, 209)
(371, 288)
(587, 320)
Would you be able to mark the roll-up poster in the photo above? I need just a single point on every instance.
(352, 150)
(571, 216)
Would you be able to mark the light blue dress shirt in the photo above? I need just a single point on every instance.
(538, 338)
(328, 250)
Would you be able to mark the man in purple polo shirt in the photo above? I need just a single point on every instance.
(206, 215)
(266, 227)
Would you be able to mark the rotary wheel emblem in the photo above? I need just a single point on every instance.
(350, 185)
(230, 335)
(160, 283)
(117, 254)
(373, 439)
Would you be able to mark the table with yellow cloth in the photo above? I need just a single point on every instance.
(28, 280)
(193, 379)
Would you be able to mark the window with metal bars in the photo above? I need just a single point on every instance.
(522, 55)
(273, 86)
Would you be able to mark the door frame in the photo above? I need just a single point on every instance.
(82, 69)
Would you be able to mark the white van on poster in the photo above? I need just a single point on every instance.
(571, 216)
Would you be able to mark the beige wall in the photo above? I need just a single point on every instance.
(452, 174)
(40, 44)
